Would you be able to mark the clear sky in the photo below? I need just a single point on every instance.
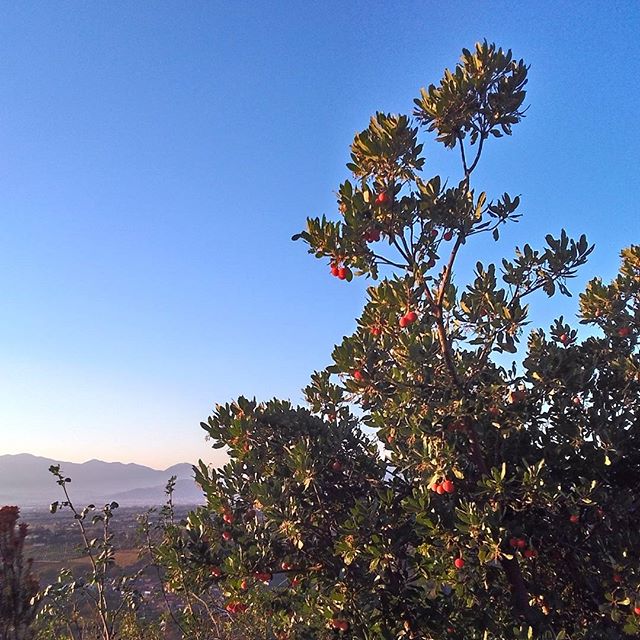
(155, 159)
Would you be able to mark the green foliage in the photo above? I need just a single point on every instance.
(428, 491)
(93, 606)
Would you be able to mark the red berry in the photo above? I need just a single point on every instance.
(216, 572)
(494, 411)
(340, 625)
(513, 542)
(342, 273)
(382, 198)
(458, 563)
(337, 466)
(335, 270)
(228, 517)
(617, 578)
(636, 610)
(375, 331)
(434, 233)
(448, 486)
(295, 582)
(448, 234)
(358, 375)
(263, 576)
(623, 332)
(521, 544)
(286, 566)
(565, 339)
(226, 535)
(403, 322)
(574, 519)
(244, 585)
(530, 553)
(411, 317)
(439, 489)
(236, 607)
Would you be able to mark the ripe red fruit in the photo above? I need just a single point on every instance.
(358, 375)
(448, 234)
(244, 585)
(263, 576)
(565, 339)
(574, 519)
(521, 543)
(339, 624)
(636, 610)
(375, 331)
(617, 578)
(337, 466)
(439, 489)
(216, 572)
(227, 517)
(286, 566)
(335, 270)
(458, 563)
(434, 233)
(623, 332)
(382, 198)
(295, 582)
(513, 542)
(493, 411)
(530, 553)
(411, 317)
(342, 273)
(236, 607)
(448, 486)
(226, 535)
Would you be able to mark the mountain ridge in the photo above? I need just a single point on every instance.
(25, 480)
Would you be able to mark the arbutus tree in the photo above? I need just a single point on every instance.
(491, 501)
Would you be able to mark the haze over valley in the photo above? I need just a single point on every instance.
(25, 480)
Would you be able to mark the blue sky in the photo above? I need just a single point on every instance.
(155, 160)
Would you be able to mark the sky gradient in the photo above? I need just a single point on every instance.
(155, 160)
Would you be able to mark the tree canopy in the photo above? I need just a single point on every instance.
(428, 490)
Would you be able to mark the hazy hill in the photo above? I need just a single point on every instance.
(25, 481)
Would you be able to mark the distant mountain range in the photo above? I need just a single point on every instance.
(25, 481)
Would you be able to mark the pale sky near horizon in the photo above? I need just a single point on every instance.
(156, 159)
